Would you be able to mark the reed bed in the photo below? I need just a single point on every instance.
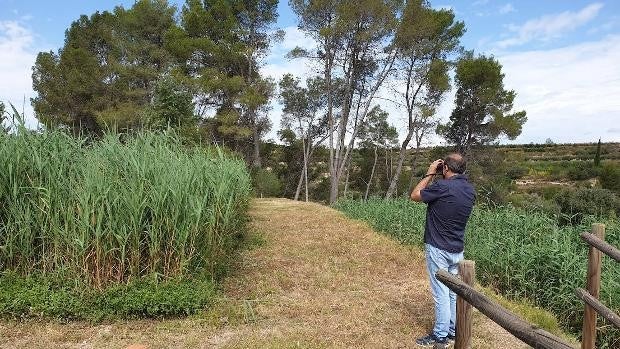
(523, 255)
(117, 209)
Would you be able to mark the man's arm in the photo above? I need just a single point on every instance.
(415, 194)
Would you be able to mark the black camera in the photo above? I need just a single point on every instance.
(439, 168)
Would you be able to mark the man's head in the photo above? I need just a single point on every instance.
(454, 164)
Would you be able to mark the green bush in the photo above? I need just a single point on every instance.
(516, 171)
(575, 204)
(523, 254)
(266, 183)
(610, 176)
(533, 202)
(54, 296)
(581, 170)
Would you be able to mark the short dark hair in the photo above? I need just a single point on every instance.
(456, 163)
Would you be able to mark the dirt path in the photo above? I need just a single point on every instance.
(317, 280)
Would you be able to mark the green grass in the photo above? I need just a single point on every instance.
(522, 255)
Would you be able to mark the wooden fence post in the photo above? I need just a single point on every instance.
(593, 285)
(464, 310)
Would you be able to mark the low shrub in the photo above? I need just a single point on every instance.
(582, 170)
(54, 296)
(610, 176)
(575, 204)
(266, 183)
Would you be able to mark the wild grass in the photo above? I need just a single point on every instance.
(520, 254)
(118, 209)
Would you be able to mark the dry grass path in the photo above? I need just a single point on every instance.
(317, 280)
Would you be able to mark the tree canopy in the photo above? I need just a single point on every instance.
(483, 107)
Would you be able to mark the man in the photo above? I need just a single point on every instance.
(450, 201)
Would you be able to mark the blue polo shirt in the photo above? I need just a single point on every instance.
(450, 202)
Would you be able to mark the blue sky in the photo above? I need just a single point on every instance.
(560, 56)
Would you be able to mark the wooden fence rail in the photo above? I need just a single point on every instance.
(526, 332)
(601, 245)
(593, 307)
(600, 308)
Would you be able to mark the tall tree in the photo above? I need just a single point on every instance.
(303, 113)
(219, 45)
(353, 44)
(106, 72)
(377, 133)
(210, 60)
(483, 110)
(256, 19)
(597, 155)
(426, 40)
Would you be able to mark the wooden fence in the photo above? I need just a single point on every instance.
(528, 333)
(598, 246)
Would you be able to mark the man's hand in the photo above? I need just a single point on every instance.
(432, 169)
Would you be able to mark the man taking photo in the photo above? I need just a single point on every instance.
(450, 201)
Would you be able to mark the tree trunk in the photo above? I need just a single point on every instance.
(399, 166)
(303, 169)
(412, 181)
(306, 174)
(256, 158)
(346, 184)
(333, 188)
(299, 184)
(372, 173)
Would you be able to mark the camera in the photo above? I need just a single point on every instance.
(439, 168)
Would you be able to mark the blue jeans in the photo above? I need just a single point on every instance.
(445, 300)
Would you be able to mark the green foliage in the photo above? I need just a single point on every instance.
(516, 171)
(535, 203)
(597, 156)
(522, 254)
(117, 209)
(610, 176)
(266, 183)
(483, 107)
(487, 171)
(172, 106)
(104, 75)
(575, 204)
(582, 170)
(56, 296)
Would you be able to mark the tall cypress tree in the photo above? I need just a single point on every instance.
(597, 156)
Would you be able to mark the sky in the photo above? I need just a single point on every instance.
(561, 57)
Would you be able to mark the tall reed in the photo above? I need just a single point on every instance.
(117, 209)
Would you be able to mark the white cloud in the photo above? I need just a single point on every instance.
(570, 93)
(507, 8)
(17, 56)
(550, 26)
(480, 2)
